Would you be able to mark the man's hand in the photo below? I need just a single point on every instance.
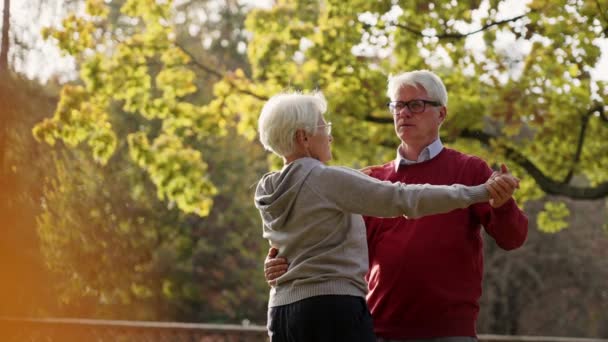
(501, 186)
(274, 267)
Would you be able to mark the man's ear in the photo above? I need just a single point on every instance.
(443, 113)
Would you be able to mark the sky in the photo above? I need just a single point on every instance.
(45, 61)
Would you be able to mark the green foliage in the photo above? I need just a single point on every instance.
(79, 120)
(89, 222)
(170, 124)
(179, 175)
(145, 74)
(135, 235)
(552, 219)
(120, 253)
(524, 80)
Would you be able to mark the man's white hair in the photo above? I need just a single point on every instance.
(283, 114)
(426, 79)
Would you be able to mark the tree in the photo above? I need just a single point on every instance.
(517, 103)
(147, 75)
(119, 253)
(525, 94)
(6, 15)
(212, 33)
(122, 235)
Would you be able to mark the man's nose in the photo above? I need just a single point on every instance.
(404, 112)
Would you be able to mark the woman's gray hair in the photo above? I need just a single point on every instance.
(426, 79)
(284, 114)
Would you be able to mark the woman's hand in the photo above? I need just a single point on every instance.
(369, 169)
(501, 186)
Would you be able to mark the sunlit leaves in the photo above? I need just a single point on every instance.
(79, 119)
(524, 78)
(96, 8)
(178, 171)
(525, 81)
(151, 11)
(84, 233)
(75, 37)
(144, 74)
(553, 218)
(175, 82)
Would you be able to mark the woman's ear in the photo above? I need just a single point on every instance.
(301, 137)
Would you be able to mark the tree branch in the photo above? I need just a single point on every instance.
(579, 147)
(547, 184)
(376, 119)
(199, 64)
(219, 75)
(457, 35)
(603, 116)
(604, 16)
(581, 139)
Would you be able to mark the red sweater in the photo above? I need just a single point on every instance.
(425, 274)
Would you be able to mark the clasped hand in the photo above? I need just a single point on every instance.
(501, 186)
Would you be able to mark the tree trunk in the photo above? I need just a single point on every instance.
(6, 16)
(4, 76)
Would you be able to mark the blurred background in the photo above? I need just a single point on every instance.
(129, 155)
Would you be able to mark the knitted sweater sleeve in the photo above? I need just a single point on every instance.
(507, 224)
(355, 192)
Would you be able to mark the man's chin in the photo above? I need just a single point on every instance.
(403, 135)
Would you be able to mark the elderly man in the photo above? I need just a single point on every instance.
(425, 275)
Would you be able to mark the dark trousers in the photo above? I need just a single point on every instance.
(438, 339)
(331, 318)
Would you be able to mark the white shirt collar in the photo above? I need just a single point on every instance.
(428, 153)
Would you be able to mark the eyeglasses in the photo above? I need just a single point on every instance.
(326, 128)
(414, 106)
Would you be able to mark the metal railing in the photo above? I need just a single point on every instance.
(520, 338)
(89, 330)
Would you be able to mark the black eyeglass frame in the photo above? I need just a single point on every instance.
(392, 105)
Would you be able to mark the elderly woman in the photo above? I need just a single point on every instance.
(312, 213)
